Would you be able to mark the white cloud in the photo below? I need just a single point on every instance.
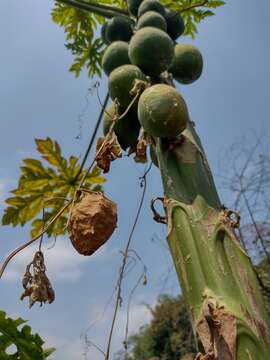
(62, 261)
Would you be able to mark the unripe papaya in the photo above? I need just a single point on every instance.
(187, 64)
(162, 111)
(114, 56)
(121, 82)
(154, 19)
(119, 28)
(126, 129)
(151, 5)
(133, 6)
(175, 24)
(152, 50)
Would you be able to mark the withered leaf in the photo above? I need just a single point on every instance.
(35, 282)
(140, 152)
(107, 150)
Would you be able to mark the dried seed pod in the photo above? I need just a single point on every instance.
(92, 222)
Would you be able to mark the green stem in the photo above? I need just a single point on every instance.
(200, 4)
(216, 276)
(98, 9)
(107, 7)
(93, 136)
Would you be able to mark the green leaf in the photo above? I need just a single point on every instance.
(79, 27)
(87, 47)
(29, 346)
(10, 216)
(215, 4)
(195, 15)
(51, 152)
(48, 188)
(36, 166)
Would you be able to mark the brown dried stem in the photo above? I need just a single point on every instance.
(106, 137)
(125, 257)
(26, 244)
(157, 217)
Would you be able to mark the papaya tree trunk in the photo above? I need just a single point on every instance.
(218, 281)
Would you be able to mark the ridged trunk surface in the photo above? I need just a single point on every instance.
(217, 278)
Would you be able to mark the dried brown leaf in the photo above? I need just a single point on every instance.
(107, 150)
(140, 151)
(36, 284)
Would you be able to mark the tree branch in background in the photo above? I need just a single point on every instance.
(249, 183)
(256, 227)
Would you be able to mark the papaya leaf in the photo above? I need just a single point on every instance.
(29, 345)
(48, 188)
(84, 41)
(193, 16)
(79, 27)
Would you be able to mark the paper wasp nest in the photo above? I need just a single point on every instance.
(92, 222)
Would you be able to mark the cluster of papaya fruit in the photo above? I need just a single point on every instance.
(143, 47)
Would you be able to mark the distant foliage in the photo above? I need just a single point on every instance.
(82, 36)
(47, 187)
(168, 337)
(29, 346)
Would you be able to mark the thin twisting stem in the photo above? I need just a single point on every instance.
(25, 245)
(92, 137)
(125, 257)
(41, 237)
(256, 228)
(106, 137)
(61, 211)
(129, 305)
(129, 106)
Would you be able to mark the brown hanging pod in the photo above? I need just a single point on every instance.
(92, 222)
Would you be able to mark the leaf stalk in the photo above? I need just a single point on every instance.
(98, 9)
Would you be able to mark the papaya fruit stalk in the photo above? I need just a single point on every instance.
(218, 281)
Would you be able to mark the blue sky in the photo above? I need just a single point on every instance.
(40, 98)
